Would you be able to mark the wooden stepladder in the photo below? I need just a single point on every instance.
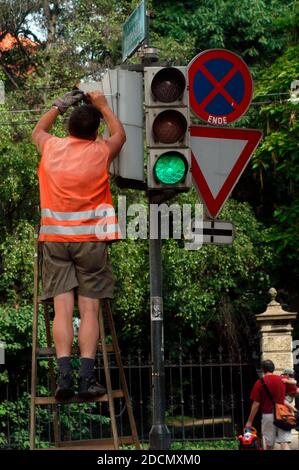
(38, 353)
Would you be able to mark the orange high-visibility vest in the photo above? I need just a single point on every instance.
(75, 198)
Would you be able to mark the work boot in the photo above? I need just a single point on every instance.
(89, 388)
(64, 388)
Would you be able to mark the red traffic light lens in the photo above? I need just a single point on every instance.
(168, 85)
(169, 127)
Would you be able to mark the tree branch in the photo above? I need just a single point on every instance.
(8, 74)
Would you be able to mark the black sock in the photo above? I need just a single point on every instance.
(86, 367)
(64, 364)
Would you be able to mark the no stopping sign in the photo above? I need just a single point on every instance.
(220, 86)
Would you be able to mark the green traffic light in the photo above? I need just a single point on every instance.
(170, 168)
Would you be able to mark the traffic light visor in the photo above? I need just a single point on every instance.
(170, 168)
(168, 85)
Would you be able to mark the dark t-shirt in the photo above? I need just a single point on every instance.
(276, 388)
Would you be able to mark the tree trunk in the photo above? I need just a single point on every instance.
(51, 15)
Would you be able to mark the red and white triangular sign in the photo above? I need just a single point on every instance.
(219, 157)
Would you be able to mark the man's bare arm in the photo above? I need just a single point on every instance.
(117, 133)
(289, 381)
(253, 412)
(290, 406)
(40, 133)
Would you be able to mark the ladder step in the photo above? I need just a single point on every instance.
(92, 444)
(77, 399)
(45, 302)
(50, 351)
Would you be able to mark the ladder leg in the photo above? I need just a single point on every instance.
(108, 381)
(52, 377)
(34, 346)
(122, 375)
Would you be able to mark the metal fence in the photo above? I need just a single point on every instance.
(207, 397)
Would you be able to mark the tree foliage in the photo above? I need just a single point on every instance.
(255, 30)
(217, 286)
(211, 295)
(276, 160)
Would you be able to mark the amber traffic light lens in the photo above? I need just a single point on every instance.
(169, 127)
(168, 85)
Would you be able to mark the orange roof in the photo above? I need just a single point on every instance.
(9, 42)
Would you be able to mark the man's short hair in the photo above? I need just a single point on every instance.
(84, 121)
(267, 366)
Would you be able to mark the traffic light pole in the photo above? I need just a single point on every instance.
(159, 436)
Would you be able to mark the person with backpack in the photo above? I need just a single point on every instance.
(268, 391)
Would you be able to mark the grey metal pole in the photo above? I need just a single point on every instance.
(159, 436)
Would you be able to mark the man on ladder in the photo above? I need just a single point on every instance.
(77, 222)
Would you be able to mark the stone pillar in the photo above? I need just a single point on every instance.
(276, 342)
(276, 334)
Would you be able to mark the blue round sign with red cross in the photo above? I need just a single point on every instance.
(220, 86)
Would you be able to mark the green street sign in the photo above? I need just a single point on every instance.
(134, 31)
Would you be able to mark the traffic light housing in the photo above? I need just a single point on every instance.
(124, 92)
(167, 128)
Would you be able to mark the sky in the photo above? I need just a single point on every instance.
(34, 24)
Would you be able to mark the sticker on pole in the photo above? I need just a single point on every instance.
(220, 86)
(219, 157)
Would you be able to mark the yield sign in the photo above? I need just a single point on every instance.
(219, 157)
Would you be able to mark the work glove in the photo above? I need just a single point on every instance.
(70, 98)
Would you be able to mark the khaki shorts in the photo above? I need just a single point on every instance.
(272, 433)
(84, 266)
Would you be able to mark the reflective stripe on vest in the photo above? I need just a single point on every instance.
(79, 229)
(105, 227)
(109, 212)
